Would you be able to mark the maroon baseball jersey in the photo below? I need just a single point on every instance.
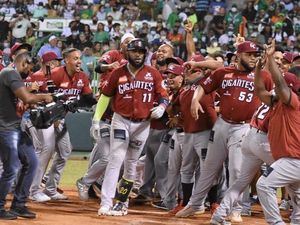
(40, 78)
(134, 97)
(109, 58)
(261, 118)
(238, 101)
(206, 120)
(76, 85)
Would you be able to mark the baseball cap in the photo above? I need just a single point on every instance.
(52, 37)
(297, 56)
(125, 36)
(17, 46)
(49, 56)
(175, 60)
(175, 69)
(197, 58)
(247, 46)
(292, 81)
(288, 56)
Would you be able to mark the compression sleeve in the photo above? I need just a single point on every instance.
(101, 107)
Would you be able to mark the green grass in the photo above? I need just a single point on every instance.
(75, 169)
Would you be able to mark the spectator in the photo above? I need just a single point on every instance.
(78, 26)
(101, 14)
(8, 9)
(88, 32)
(115, 33)
(265, 35)
(69, 12)
(249, 12)
(50, 47)
(83, 42)
(217, 23)
(109, 20)
(40, 11)
(144, 30)
(21, 6)
(5, 31)
(88, 62)
(30, 37)
(288, 5)
(234, 17)
(129, 27)
(278, 34)
(19, 27)
(101, 35)
(152, 35)
(131, 11)
(31, 6)
(115, 13)
(86, 11)
(215, 6)
(146, 9)
(201, 8)
(73, 40)
(97, 50)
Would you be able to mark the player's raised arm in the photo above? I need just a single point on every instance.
(281, 88)
(260, 89)
(195, 105)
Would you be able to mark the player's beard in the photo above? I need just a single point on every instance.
(134, 64)
(161, 62)
(246, 66)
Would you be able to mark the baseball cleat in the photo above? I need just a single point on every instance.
(213, 221)
(57, 197)
(82, 189)
(159, 205)
(235, 217)
(104, 211)
(141, 199)
(186, 212)
(119, 209)
(40, 197)
(285, 205)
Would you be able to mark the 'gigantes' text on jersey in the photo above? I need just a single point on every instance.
(236, 88)
(76, 85)
(133, 96)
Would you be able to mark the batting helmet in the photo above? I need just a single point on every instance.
(136, 44)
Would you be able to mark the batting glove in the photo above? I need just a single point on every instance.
(95, 130)
(157, 112)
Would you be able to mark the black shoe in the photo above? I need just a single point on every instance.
(7, 215)
(159, 205)
(92, 194)
(23, 212)
(141, 199)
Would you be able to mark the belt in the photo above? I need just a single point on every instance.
(235, 122)
(257, 130)
(106, 120)
(135, 120)
(179, 130)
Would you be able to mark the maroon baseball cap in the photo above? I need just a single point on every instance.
(292, 81)
(17, 46)
(175, 60)
(175, 69)
(49, 56)
(247, 46)
(289, 56)
(197, 58)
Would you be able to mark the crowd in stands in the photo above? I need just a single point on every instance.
(216, 24)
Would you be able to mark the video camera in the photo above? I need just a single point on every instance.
(43, 116)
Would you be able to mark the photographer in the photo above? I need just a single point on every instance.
(15, 145)
(72, 82)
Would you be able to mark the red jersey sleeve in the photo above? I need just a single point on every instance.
(110, 85)
(294, 102)
(160, 91)
(213, 82)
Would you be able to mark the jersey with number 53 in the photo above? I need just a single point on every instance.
(238, 101)
(133, 96)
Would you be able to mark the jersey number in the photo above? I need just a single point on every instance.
(147, 97)
(262, 111)
(244, 96)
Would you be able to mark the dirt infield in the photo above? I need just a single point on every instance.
(76, 212)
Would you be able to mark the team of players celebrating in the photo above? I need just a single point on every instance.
(203, 127)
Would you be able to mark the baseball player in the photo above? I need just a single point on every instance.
(133, 88)
(255, 151)
(156, 143)
(70, 81)
(37, 82)
(100, 129)
(284, 139)
(236, 88)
